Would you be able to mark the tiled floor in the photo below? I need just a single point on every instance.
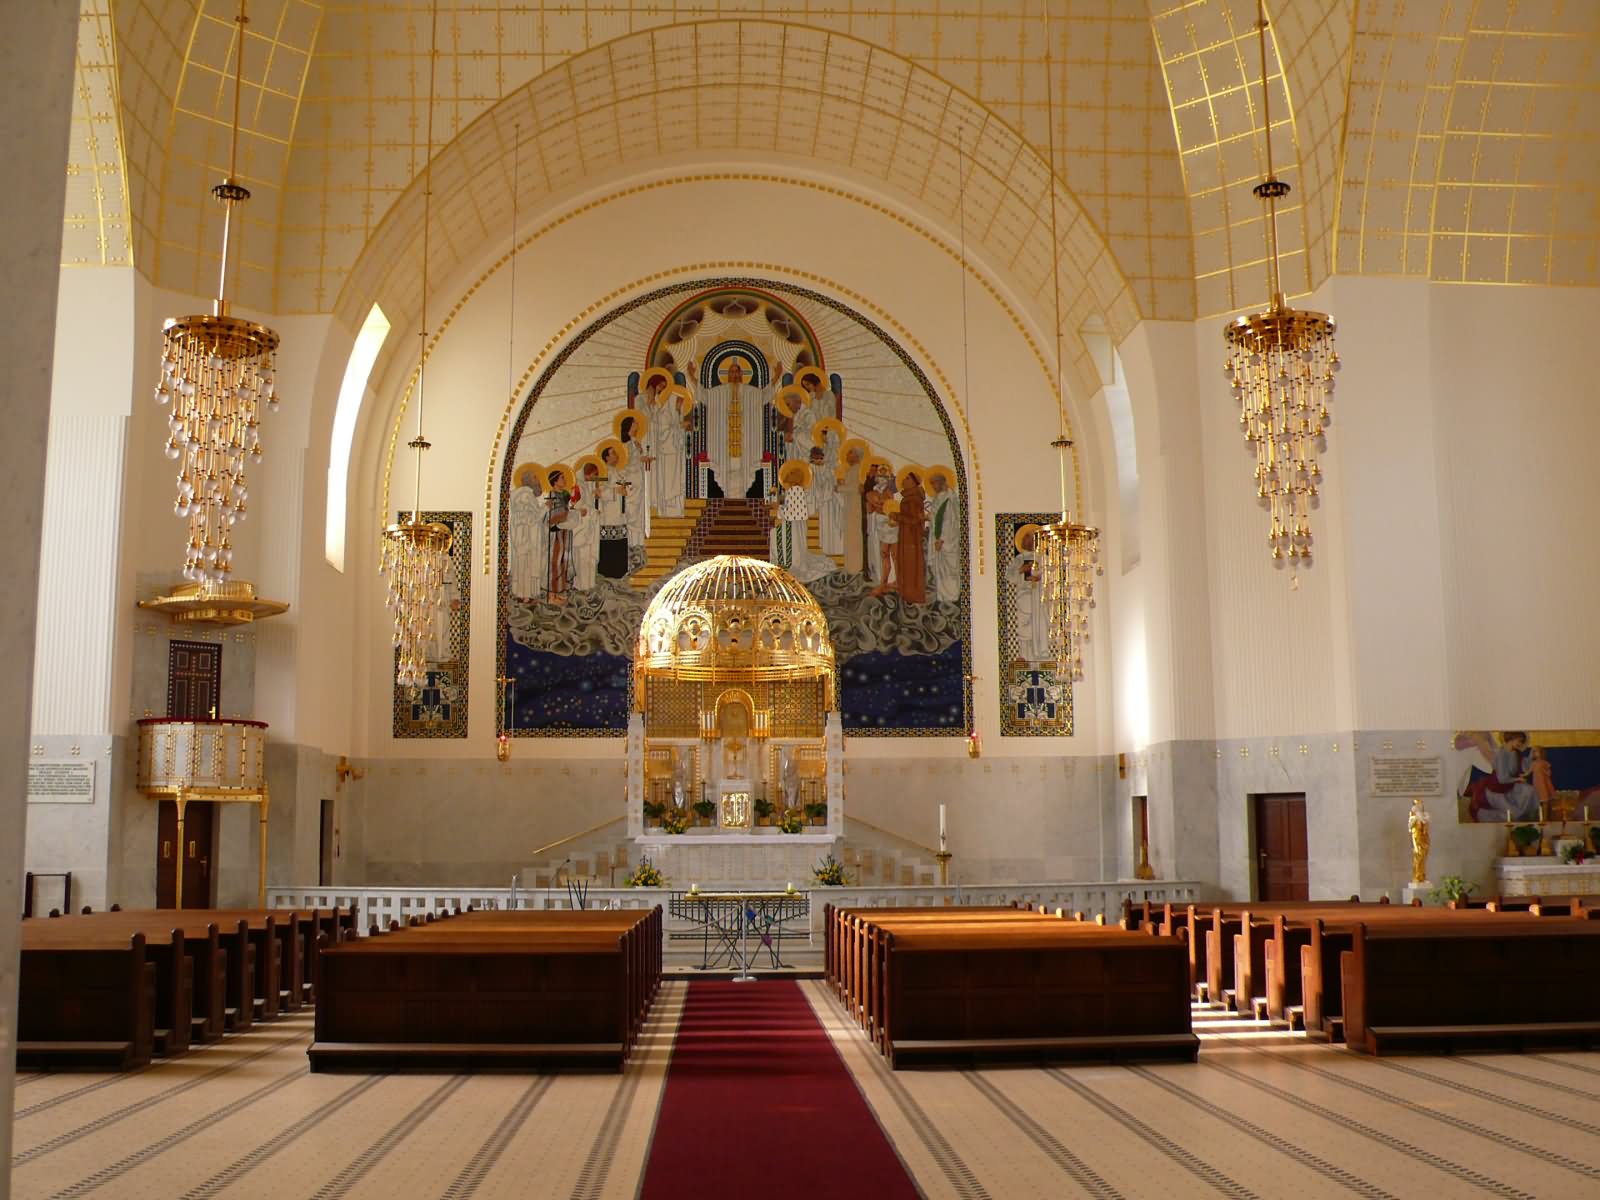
(1257, 1116)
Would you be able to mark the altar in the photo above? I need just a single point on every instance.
(735, 747)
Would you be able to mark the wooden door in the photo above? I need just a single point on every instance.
(1282, 862)
(1141, 835)
(194, 680)
(327, 847)
(198, 849)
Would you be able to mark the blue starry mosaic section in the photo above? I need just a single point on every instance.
(438, 709)
(566, 693)
(887, 691)
(1033, 701)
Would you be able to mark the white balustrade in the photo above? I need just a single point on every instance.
(381, 905)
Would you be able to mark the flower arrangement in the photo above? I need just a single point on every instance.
(1573, 854)
(830, 873)
(646, 874)
(673, 821)
(791, 821)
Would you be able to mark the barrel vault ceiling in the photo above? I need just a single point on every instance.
(1450, 140)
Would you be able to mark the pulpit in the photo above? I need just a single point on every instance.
(736, 732)
(185, 760)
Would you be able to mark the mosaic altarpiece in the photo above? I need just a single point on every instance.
(438, 709)
(733, 416)
(1033, 701)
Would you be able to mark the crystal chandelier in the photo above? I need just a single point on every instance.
(216, 372)
(416, 553)
(1069, 552)
(1069, 560)
(1280, 364)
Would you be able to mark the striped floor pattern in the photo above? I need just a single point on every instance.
(1261, 1115)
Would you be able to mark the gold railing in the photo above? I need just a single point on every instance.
(556, 845)
(888, 832)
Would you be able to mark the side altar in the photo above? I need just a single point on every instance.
(735, 745)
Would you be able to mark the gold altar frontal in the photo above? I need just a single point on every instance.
(734, 676)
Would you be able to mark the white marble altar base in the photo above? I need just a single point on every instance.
(762, 858)
(1546, 876)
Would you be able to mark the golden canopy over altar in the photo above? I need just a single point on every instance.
(736, 728)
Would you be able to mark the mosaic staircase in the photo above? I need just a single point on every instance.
(665, 546)
(728, 527)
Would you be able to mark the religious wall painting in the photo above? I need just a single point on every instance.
(438, 709)
(1034, 702)
(759, 419)
(1525, 775)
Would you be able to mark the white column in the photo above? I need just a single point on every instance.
(36, 79)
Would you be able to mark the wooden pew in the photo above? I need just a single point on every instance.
(514, 988)
(1456, 984)
(930, 985)
(100, 996)
(212, 957)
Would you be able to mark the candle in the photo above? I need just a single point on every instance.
(941, 827)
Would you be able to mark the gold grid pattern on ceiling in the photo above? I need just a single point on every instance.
(356, 134)
(656, 91)
(95, 230)
(1473, 150)
(1209, 53)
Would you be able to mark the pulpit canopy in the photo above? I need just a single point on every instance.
(734, 619)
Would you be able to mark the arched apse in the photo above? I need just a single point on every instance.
(734, 415)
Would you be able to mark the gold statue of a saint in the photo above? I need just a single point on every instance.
(1417, 823)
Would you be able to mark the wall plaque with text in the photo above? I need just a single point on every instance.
(1406, 775)
(60, 781)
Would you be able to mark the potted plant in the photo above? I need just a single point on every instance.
(673, 821)
(817, 812)
(1452, 889)
(1526, 839)
(830, 873)
(763, 810)
(791, 821)
(1594, 839)
(646, 874)
(704, 811)
(1573, 854)
(654, 810)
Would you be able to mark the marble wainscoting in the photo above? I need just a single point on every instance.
(465, 823)
(1200, 796)
(74, 836)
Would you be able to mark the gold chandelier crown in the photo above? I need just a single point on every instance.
(734, 618)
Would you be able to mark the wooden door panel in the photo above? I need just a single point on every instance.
(194, 680)
(1282, 851)
(198, 850)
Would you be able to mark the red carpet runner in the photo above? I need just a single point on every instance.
(759, 1105)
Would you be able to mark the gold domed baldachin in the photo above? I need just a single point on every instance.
(736, 619)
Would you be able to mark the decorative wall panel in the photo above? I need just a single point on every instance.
(1033, 702)
(439, 708)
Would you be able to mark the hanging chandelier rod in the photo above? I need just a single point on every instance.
(1271, 188)
(230, 191)
(420, 443)
(1062, 443)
